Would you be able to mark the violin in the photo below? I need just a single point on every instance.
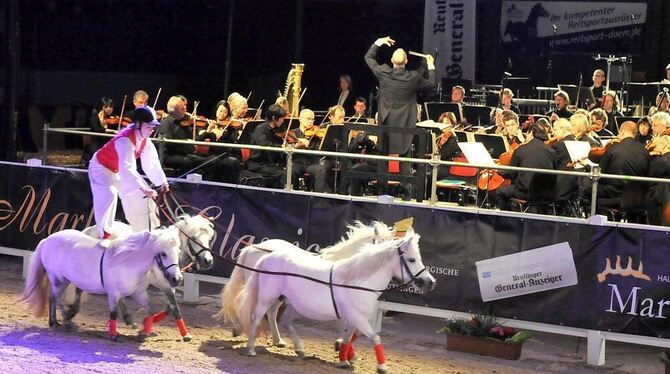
(112, 122)
(491, 180)
(315, 131)
(198, 121)
(280, 132)
(596, 153)
(444, 137)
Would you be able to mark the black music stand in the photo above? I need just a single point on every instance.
(520, 86)
(524, 117)
(247, 131)
(448, 84)
(494, 144)
(638, 92)
(585, 94)
(477, 115)
(620, 120)
(435, 109)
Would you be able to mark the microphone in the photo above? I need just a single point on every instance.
(507, 74)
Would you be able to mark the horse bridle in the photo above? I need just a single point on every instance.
(405, 267)
(161, 265)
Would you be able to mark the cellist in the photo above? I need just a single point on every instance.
(533, 154)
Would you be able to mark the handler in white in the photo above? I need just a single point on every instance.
(113, 173)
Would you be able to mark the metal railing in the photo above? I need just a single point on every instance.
(434, 163)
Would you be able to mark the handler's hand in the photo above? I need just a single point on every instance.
(165, 188)
(149, 192)
(385, 40)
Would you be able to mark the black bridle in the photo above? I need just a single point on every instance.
(161, 265)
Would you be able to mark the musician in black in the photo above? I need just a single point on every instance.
(562, 100)
(269, 134)
(659, 167)
(397, 102)
(306, 163)
(599, 120)
(182, 157)
(362, 142)
(597, 88)
(505, 103)
(611, 107)
(534, 154)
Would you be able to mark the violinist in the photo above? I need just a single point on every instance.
(140, 99)
(644, 134)
(505, 103)
(221, 129)
(611, 107)
(626, 157)
(269, 164)
(566, 185)
(447, 146)
(659, 167)
(511, 129)
(660, 123)
(306, 163)
(662, 103)
(239, 107)
(101, 122)
(360, 109)
(533, 154)
(599, 121)
(182, 157)
(561, 100)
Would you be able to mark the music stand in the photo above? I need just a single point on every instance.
(524, 117)
(585, 94)
(247, 131)
(521, 86)
(435, 109)
(643, 93)
(618, 121)
(462, 136)
(334, 139)
(477, 115)
(494, 144)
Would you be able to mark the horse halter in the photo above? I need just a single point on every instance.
(161, 265)
(405, 267)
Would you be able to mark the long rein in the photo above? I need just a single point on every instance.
(404, 266)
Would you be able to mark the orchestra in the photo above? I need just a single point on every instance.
(640, 148)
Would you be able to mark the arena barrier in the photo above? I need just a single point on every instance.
(630, 304)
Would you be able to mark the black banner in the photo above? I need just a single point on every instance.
(633, 296)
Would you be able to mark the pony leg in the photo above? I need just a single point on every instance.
(272, 321)
(351, 355)
(345, 346)
(363, 325)
(113, 313)
(287, 321)
(127, 317)
(256, 318)
(173, 307)
(57, 289)
(73, 309)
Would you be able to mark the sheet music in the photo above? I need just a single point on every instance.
(476, 154)
(432, 124)
(579, 151)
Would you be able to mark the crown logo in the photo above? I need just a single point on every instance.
(618, 270)
(402, 226)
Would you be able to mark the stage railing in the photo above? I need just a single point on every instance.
(434, 163)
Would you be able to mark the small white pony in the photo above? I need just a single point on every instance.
(356, 236)
(70, 256)
(195, 234)
(372, 268)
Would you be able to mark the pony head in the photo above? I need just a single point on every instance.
(411, 267)
(166, 246)
(197, 236)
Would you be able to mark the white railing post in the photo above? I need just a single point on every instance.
(191, 288)
(595, 347)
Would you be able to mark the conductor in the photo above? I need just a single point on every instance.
(397, 103)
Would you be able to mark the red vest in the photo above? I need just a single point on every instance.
(107, 155)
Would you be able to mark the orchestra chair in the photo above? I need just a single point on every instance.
(630, 207)
(464, 184)
(541, 195)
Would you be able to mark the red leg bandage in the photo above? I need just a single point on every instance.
(379, 351)
(148, 324)
(182, 327)
(112, 327)
(344, 351)
(159, 316)
(351, 354)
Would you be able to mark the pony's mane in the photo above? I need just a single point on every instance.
(371, 259)
(356, 232)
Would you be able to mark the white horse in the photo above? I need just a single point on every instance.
(70, 256)
(195, 234)
(372, 268)
(357, 235)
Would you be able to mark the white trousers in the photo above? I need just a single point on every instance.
(105, 188)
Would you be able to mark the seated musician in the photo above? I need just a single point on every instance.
(566, 185)
(360, 110)
(644, 134)
(308, 139)
(239, 106)
(182, 157)
(562, 100)
(626, 157)
(597, 88)
(666, 80)
(534, 154)
(283, 102)
(662, 103)
(581, 130)
(611, 107)
(510, 129)
(505, 103)
(447, 146)
(346, 97)
(448, 118)
(99, 123)
(659, 167)
(140, 99)
(221, 130)
(363, 143)
(599, 121)
(457, 94)
(660, 123)
(269, 164)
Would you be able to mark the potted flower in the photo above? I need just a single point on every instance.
(664, 356)
(484, 335)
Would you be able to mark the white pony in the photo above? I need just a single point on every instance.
(70, 256)
(195, 234)
(372, 268)
(356, 236)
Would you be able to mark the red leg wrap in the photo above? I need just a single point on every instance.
(159, 316)
(182, 327)
(112, 327)
(351, 352)
(344, 351)
(148, 324)
(379, 351)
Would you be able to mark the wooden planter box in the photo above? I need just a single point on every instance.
(483, 346)
(667, 368)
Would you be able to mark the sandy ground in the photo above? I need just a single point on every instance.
(27, 345)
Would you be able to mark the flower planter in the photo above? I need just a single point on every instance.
(667, 368)
(484, 346)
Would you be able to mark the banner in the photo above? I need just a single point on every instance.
(622, 274)
(573, 26)
(449, 27)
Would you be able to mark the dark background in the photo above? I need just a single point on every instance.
(185, 40)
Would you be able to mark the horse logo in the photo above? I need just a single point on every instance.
(523, 31)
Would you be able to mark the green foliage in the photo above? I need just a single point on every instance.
(484, 326)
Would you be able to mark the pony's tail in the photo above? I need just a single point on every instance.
(229, 308)
(248, 299)
(37, 288)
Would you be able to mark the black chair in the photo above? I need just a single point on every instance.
(541, 194)
(632, 204)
